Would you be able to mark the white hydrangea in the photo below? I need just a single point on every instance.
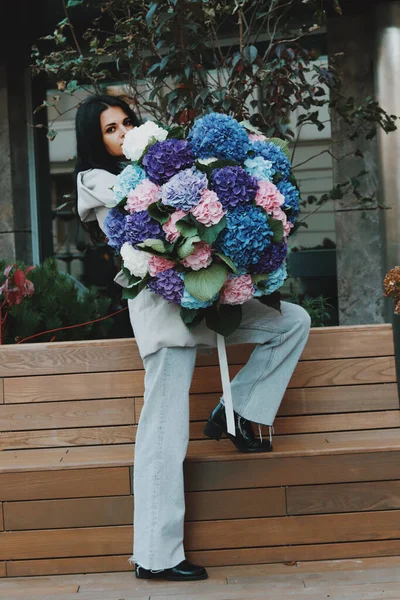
(138, 138)
(135, 261)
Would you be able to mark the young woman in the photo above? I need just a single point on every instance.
(168, 350)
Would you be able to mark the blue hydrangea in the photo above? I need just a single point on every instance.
(220, 136)
(114, 227)
(273, 153)
(233, 186)
(292, 199)
(246, 235)
(184, 189)
(259, 167)
(127, 180)
(275, 281)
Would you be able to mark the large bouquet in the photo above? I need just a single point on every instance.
(204, 221)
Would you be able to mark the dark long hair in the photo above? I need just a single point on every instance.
(91, 151)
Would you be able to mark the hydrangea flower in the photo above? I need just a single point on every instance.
(140, 226)
(183, 191)
(157, 264)
(233, 186)
(273, 153)
(165, 159)
(114, 227)
(292, 199)
(259, 167)
(135, 260)
(237, 290)
(142, 196)
(209, 210)
(274, 281)
(170, 229)
(137, 139)
(271, 259)
(127, 181)
(257, 137)
(189, 301)
(220, 136)
(200, 258)
(268, 196)
(246, 236)
(168, 284)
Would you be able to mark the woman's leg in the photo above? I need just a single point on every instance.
(258, 388)
(161, 443)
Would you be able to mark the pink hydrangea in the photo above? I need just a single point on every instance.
(201, 257)
(209, 210)
(268, 196)
(278, 214)
(172, 233)
(142, 196)
(237, 290)
(157, 264)
(256, 137)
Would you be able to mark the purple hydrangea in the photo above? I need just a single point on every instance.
(114, 227)
(140, 226)
(271, 259)
(164, 159)
(220, 136)
(168, 284)
(246, 236)
(233, 186)
(184, 189)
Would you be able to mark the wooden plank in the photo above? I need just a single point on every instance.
(83, 386)
(351, 497)
(282, 531)
(305, 470)
(1, 391)
(64, 566)
(79, 413)
(3, 572)
(36, 588)
(346, 422)
(59, 514)
(15, 545)
(89, 436)
(69, 357)
(1, 517)
(201, 506)
(72, 483)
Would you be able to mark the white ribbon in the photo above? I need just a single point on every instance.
(226, 384)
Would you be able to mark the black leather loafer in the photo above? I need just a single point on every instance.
(185, 571)
(245, 441)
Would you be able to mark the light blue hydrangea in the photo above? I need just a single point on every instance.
(274, 154)
(127, 180)
(274, 282)
(184, 189)
(189, 301)
(259, 167)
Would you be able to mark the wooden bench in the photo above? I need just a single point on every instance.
(330, 489)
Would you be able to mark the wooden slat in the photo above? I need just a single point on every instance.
(15, 545)
(1, 391)
(89, 436)
(1, 517)
(346, 422)
(307, 470)
(64, 566)
(59, 514)
(310, 401)
(79, 413)
(281, 531)
(3, 569)
(202, 506)
(84, 386)
(349, 497)
(69, 357)
(78, 483)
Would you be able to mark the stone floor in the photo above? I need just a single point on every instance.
(364, 579)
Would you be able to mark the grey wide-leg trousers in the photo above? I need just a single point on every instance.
(163, 431)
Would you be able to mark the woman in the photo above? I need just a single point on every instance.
(168, 350)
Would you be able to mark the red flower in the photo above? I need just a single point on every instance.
(16, 286)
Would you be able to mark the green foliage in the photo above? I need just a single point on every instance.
(206, 283)
(56, 302)
(317, 308)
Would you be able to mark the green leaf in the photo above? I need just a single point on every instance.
(210, 234)
(72, 3)
(157, 212)
(191, 316)
(187, 247)
(259, 277)
(247, 125)
(130, 293)
(224, 319)
(277, 229)
(227, 261)
(156, 245)
(283, 144)
(206, 283)
(51, 134)
(273, 300)
(150, 13)
(250, 53)
(186, 229)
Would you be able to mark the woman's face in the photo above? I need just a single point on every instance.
(114, 124)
